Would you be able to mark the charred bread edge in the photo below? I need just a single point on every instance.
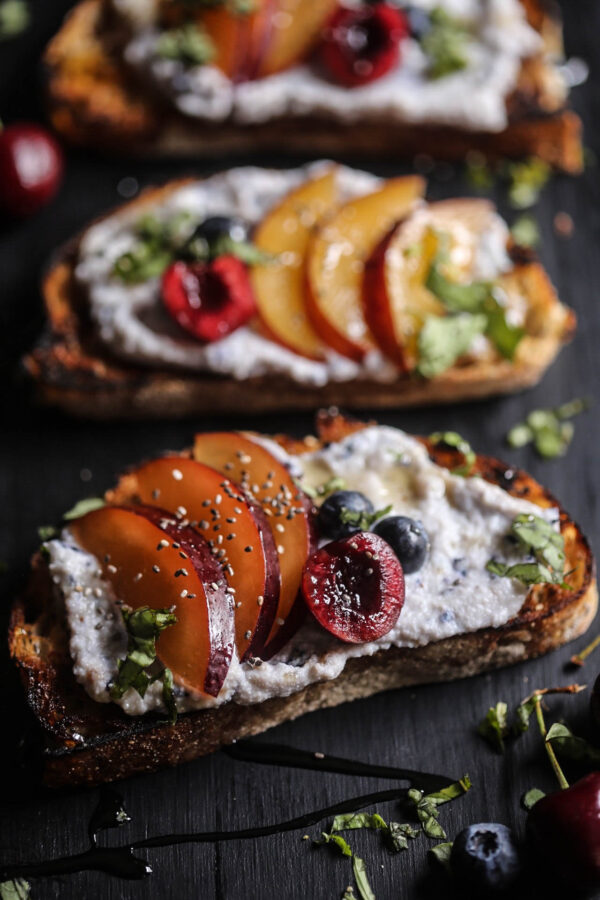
(120, 118)
(72, 371)
(550, 617)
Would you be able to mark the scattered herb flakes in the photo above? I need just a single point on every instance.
(323, 490)
(190, 45)
(441, 854)
(363, 520)
(47, 532)
(527, 573)
(144, 626)
(338, 840)
(444, 44)
(548, 430)
(531, 797)
(15, 889)
(82, 507)
(156, 244)
(478, 173)
(456, 297)
(504, 336)
(14, 18)
(572, 747)
(225, 245)
(360, 876)
(398, 835)
(454, 440)
(494, 726)
(539, 539)
(526, 181)
(351, 821)
(427, 805)
(525, 231)
(523, 715)
(443, 339)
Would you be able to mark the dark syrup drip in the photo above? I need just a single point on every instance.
(122, 863)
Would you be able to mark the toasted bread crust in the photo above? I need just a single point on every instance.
(90, 743)
(94, 101)
(71, 370)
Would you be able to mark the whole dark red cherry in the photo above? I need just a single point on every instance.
(564, 828)
(31, 168)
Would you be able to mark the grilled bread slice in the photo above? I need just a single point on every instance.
(88, 743)
(94, 101)
(72, 370)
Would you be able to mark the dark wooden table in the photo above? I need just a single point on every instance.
(43, 462)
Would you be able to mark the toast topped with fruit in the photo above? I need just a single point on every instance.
(258, 290)
(217, 592)
(383, 79)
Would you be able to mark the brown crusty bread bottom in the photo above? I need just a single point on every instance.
(90, 743)
(93, 101)
(72, 371)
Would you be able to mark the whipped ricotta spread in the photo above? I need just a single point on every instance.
(467, 520)
(473, 98)
(131, 321)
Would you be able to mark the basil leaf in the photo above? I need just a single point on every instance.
(323, 490)
(452, 792)
(528, 573)
(520, 435)
(337, 840)
(526, 180)
(548, 429)
(494, 726)
(47, 532)
(524, 712)
(572, 747)
(453, 439)
(15, 889)
(189, 44)
(505, 337)
(14, 18)
(540, 538)
(169, 696)
(358, 820)
(531, 797)
(443, 339)
(457, 297)
(363, 520)
(427, 805)
(525, 231)
(157, 244)
(398, 835)
(360, 876)
(444, 44)
(82, 507)
(441, 854)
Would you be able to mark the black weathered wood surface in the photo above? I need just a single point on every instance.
(44, 455)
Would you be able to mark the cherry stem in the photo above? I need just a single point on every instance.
(579, 658)
(562, 781)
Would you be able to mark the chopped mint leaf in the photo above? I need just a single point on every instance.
(525, 231)
(144, 626)
(528, 573)
(526, 180)
(540, 538)
(453, 439)
(15, 889)
(441, 854)
(363, 520)
(451, 792)
(14, 18)
(572, 747)
(427, 805)
(157, 245)
(323, 490)
(444, 44)
(358, 820)
(189, 44)
(338, 841)
(494, 726)
(456, 297)
(504, 336)
(47, 532)
(548, 430)
(398, 835)
(89, 504)
(531, 797)
(360, 876)
(443, 339)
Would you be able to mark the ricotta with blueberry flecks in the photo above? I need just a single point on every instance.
(467, 520)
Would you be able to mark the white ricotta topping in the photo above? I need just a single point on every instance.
(467, 520)
(472, 98)
(131, 320)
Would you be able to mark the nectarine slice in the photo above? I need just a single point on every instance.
(235, 526)
(336, 257)
(288, 510)
(396, 301)
(152, 560)
(279, 286)
(297, 27)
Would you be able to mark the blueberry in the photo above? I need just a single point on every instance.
(211, 230)
(330, 520)
(407, 538)
(485, 859)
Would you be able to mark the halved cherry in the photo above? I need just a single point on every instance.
(235, 527)
(152, 560)
(288, 510)
(355, 587)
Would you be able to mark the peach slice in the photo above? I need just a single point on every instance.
(396, 301)
(152, 560)
(230, 522)
(289, 512)
(297, 27)
(279, 287)
(336, 257)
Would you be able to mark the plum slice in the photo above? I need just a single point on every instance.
(288, 510)
(235, 526)
(153, 560)
(355, 587)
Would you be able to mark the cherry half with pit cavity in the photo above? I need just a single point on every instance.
(355, 587)
(31, 168)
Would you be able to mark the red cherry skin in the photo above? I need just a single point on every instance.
(355, 587)
(362, 45)
(564, 827)
(31, 168)
(209, 300)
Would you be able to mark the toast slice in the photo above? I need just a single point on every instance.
(89, 743)
(94, 101)
(72, 370)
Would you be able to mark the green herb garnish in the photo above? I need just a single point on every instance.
(444, 44)
(323, 490)
(47, 532)
(14, 18)
(478, 172)
(189, 44)
(351, 821)
(539, 539)
(526, 180)
(82, 507)
(157, 244)
(200, 250)
(427, 805)
(363, 520)
(548, 430)
(525, 231)
(531, 797)
(441, 854)
(454, 440)
(572, 747)
(443, 339)
(15, 889)
(494, 726)
(358, 864)
(140, 668)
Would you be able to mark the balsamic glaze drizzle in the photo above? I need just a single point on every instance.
(122, 862)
